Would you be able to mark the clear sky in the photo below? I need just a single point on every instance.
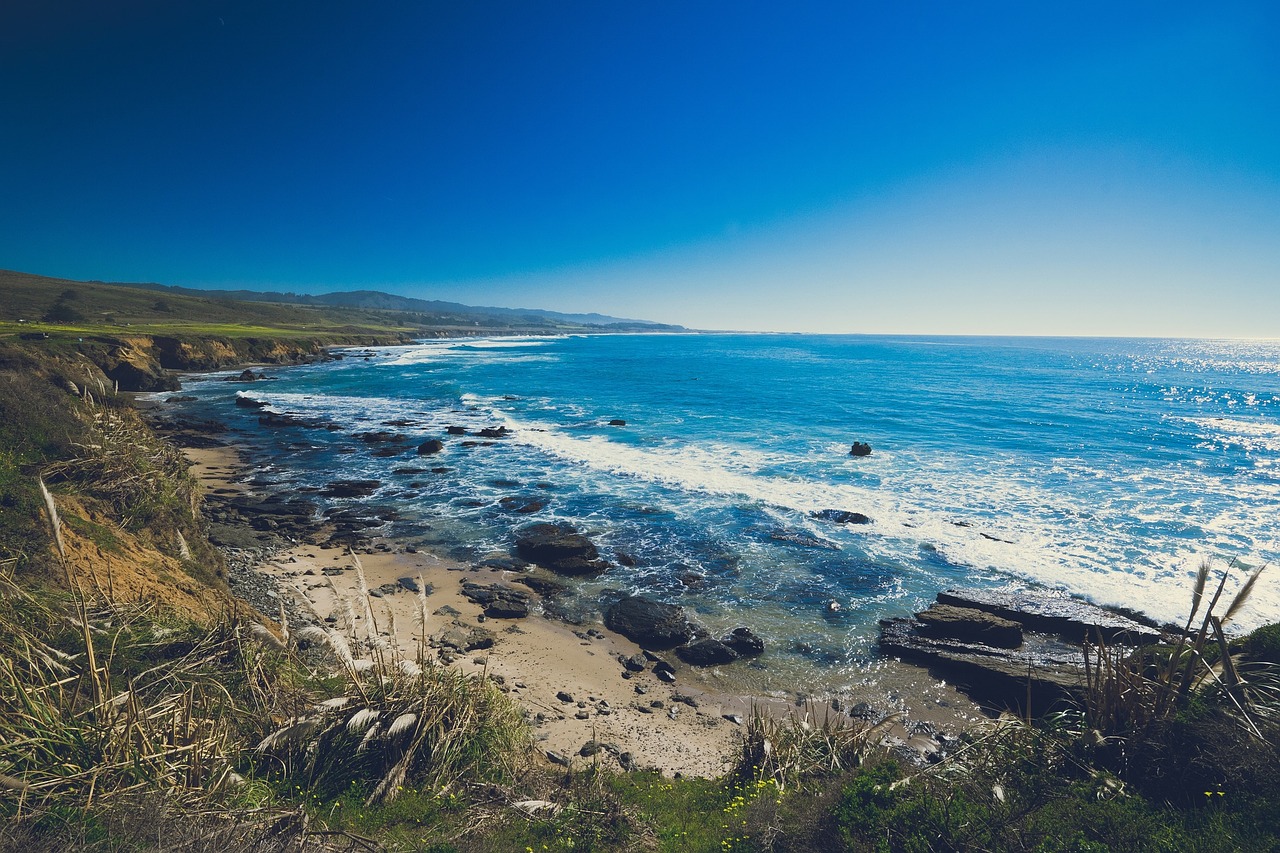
(1014, 168)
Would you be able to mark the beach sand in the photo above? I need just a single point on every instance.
(570, 679)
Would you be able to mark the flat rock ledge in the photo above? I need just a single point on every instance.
(1019, 651)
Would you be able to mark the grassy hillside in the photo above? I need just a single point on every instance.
(33, 302)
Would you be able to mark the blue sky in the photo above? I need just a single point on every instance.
(1007, 168)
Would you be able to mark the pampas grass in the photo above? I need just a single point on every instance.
(791, 749)
(399, 720)
(55, 521)
(1129, 693)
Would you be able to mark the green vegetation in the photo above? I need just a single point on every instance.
(87, 308)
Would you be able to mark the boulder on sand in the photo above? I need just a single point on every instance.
(706, 653)
(649, 623)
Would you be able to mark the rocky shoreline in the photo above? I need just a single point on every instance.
(297, 554)
(641, 675)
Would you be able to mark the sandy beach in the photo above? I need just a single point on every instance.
(572, 680)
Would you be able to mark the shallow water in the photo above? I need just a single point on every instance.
(1105, 467)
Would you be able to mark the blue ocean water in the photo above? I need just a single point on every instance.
(1108, 468)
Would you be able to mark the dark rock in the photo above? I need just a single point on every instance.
(635, 663)
(624, 559)
(245, 376)
(276, 419)
(521, 504)
(249, 403)
(464, 639)
(430, 446)
(966, 623)
(840, 516)
(386, 452)
(665, 672)
(860, 448)
(195, 440)
(543, 586)
(706, 653)
(617, 422)
(556, 758)
(744, 642)
(649, 623)
(350, 488)
(455, 430)
(804, 540)
(498, 600)
(408, 471)
(1053, 612)
(504, 563)
(410, 584)
(1044, 668)
(379, 437)
(560, 548)
(494, 432)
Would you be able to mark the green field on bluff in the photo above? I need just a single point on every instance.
(37, 303)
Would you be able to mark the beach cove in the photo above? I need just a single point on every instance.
(579, 684)
(416, 459)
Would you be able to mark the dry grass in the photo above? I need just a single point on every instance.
(1130, 691)
(798, 747)
(398, 719)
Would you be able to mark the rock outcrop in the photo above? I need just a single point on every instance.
(1008, 649)
(840, 516)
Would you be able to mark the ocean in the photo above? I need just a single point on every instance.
(1105, 467)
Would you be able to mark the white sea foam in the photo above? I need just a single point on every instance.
(1011, 524)
(1249, 434)
(461, 348)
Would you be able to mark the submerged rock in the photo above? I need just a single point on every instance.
(745, 642)
(350, 488)
(840, 516)
(560, 548)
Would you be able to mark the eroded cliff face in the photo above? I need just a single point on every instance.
(148, 363)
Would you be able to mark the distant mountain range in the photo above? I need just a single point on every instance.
(378, 301)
